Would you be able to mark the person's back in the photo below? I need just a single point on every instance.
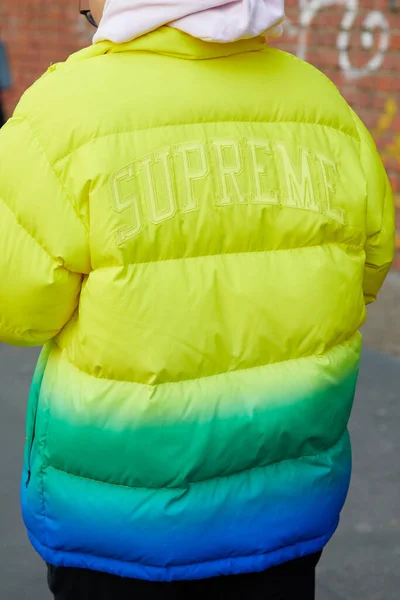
(199, 227)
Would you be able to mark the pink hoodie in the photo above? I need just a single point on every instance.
(210, 20)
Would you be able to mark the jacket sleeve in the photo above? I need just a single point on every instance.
(44, 248)
(380, 217)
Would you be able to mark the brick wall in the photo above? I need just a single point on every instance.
(37, 33)
(355, 42)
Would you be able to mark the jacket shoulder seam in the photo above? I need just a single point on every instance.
(55, 260)
(57, 176)
(307, 66)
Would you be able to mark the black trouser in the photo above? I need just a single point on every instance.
(293, 581)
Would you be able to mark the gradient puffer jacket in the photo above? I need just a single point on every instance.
(193, 230)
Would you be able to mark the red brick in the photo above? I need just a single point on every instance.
(395, 42)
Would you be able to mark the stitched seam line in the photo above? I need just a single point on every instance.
(201, 562)
(201, 256)
(186, 124)
(43, 445)
(55, 260)
(57, 176)
(186, 57)
(322, 76)
(329, 349)
(323, 450)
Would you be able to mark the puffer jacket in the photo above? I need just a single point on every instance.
(193, 230)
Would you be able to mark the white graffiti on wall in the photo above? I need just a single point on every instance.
(375, 23)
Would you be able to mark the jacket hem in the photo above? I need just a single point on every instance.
(198, 570)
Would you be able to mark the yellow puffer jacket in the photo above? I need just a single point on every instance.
(198, 229)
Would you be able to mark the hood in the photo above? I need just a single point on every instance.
(221, 21)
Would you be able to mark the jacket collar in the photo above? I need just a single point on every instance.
(171, 42)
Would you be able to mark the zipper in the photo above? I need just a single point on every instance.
(32, 439)
(33, 408)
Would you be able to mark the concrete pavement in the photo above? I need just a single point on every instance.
(382, 331)
(362, 562)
